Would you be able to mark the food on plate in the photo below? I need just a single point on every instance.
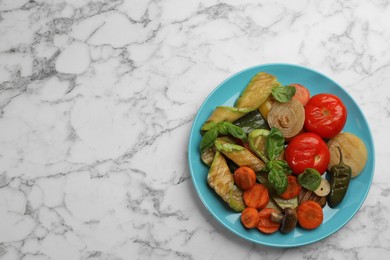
(251, 121)
(310, 195)
(257, 143)
(266, 106)
(239, 154)
(293, 188)
(289, 117)
(307, 150)
(221, 180)
(244, 177)
(250, 217)
(256, 197)
(354, 152)
(340, 176)
(310, 214)
(257, 91)
(268, 155)
(302, 94)
(229, 114)
(310, 179)
(283, 203)
(266, 225)
(288, 219)
(323, 189)
(325, 115)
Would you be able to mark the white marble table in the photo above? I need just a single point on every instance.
(96, 103)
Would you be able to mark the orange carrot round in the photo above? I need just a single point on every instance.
(250, 217)
(310, 214)
(256, 197)
(293, 188)
(244, 177)
(265, 224)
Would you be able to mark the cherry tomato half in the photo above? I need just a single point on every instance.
(325, 115)
(307, 150)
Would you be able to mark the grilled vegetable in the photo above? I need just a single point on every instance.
(353, 149)
(225, 113)
(310, 214)
(340, 176)
(288, 220)
(289, 117)
(251, 121)
(257, 142)
(239, 154)
(282, 203)
(221, 180)
(310, 195)
(257, 91)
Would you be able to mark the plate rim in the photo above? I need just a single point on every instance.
(190, 144)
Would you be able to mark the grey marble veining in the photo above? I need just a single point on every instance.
(97, 99)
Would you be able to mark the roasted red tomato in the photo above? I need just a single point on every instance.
(307, 150)
(302, 94)
(325, 115)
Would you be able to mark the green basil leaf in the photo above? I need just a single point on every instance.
(279, 165)
(208, 139)
(278, 180)
(275, 143)
(283, 93)
(310, 179)
(235, 131)
(223, 128)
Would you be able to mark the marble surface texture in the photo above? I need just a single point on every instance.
(97, 99)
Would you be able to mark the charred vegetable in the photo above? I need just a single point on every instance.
(288, 220)
(224, 113)
(251, 121)
(221, 180)
(289, 117)
(340, 176)
(257, 142)
(257, 91)
(353, 149)
(239, 154)
(310, 195)
(221, 128)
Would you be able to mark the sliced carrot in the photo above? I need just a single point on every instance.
(265, 224)
(293, 188)
(256, 197)
(244, 177)
(302, 94)
(250, 217)
(310, 214)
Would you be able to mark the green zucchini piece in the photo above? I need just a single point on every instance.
(221, 180)
(257, 142)
(224, 113)
(282, 203)
(257, 91)
(207, 155)
(239, 155)
(251, 121)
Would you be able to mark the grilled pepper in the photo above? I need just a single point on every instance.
(340, 176)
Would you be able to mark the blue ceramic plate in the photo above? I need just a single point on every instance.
(226, 94)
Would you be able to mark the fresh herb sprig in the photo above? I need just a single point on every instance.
(221, 128)
(283, 93)
(277, 168)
